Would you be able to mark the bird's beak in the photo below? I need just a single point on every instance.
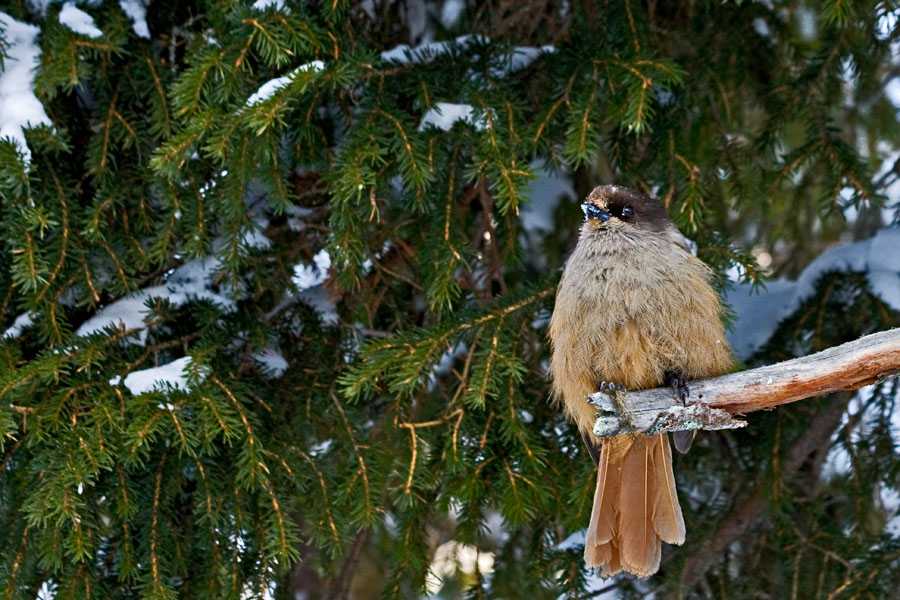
(592, 212)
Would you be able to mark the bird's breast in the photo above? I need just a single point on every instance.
(622, 314)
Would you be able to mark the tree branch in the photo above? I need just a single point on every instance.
(865, 361)
(340, 589)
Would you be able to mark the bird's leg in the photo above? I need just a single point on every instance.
(616, 392)
(682, 439)
(615, 414)
(676, 381)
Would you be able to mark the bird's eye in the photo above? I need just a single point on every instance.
(628, 211)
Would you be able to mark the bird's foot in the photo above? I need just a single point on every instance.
(618, 395)
(613, 415)
(679, 385)
(609, 388)
(681, 439)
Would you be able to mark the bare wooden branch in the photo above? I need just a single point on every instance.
(865, 361)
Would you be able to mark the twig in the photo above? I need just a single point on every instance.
(340, 590)
(865, 361)
(608, 588)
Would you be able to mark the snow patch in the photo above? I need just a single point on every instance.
(19, 107)
(272, 362)
(309, 280)
(264, 4)
(886, 24)
(266, 90)
(445, 114)
(496, 526)
(320, 448)
(573, 542)
(22, 321)
(47, 590)
(451, 12)
(161, 377)
(544, 193)
(188, 282)
(255, 238)
(892, 91)
(424, 53)
(759, 314)
(444, 365)
(520, 58)
(296, 214)
(308, 276)
(137, 12)
(319, 298)
(78, 21)
(890, 500)
(761, 27)
(838, 462)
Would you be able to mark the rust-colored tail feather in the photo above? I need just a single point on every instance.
(667, 519)
(603, 550)
(635, 506)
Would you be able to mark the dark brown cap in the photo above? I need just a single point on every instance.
(647, 213)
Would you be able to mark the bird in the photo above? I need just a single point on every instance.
(635, 308)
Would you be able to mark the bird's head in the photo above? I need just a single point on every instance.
(610, 208)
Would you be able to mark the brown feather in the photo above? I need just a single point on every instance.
(682, 440)
(598, 542)
(614, 564)
(640, 545)
(600, 528)
(667, 519)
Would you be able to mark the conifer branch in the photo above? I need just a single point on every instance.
(746, 513)
(322, 484)
(156, 580)
(363, 470)
(862, 362)
(444, 244)
(64, 231)
(20, 557)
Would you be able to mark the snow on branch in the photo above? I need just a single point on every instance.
(712, 402)
(20, 109)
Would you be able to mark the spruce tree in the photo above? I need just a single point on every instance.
(277, 279)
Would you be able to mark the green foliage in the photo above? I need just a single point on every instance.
(414, 408)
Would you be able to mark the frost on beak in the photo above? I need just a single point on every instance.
(593, 212)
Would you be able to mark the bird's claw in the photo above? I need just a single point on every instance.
(609, 388)
(679, 387)
(612, 387)
(617, 394)
(682, 439)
